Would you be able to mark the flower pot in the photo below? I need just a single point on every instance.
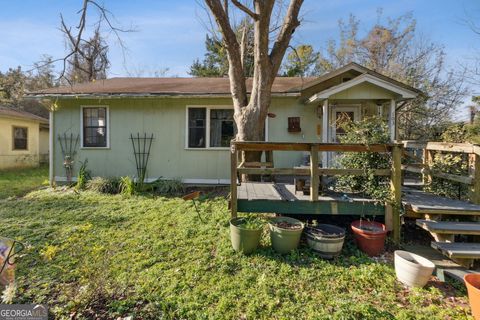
(472, 281)
(244, 240)
(369, 236)
(285, 233)
(325, 239)
(412, 269)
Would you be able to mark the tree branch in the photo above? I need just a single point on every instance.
(245, 9)
(290, 22)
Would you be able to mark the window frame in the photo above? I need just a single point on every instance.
(207, 126)
(13, 138)
(107, 124)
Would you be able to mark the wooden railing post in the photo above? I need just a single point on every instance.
(233, 180)
(474, 173)
(427, 166)
(314, 174)
(396, 185)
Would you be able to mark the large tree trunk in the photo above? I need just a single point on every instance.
(251, 110)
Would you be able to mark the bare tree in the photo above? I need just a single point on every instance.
(250, 111)
(90, 61)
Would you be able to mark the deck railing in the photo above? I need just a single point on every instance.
(239, 167)
(423, 163)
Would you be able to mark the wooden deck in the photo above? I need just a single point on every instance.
(281, 198)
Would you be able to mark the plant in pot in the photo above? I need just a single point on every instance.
(411, 269)
(472, 281)
(369, 235)
(245, 233)
(325, 239)
(285, 233)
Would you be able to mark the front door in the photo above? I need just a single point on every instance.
(342, 114)
(338, 115)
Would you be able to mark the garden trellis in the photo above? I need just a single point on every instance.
(69, 144)
(142, 145)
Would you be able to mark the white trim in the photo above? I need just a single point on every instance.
(107, 114)
(391, 120)
(51, 154)
(405, 93)
(207, 127)
(325, 117)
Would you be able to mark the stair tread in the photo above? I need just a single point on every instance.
(423, 202)
(450, 227)
(458, 249)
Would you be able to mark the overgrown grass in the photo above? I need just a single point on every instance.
(104, 256)
(18, 182)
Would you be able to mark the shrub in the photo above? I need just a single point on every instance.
(83, 177)
(368, 131)
(104, 185)
(168, 187)
(127, 186)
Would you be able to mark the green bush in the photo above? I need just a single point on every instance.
(84, 176)
(104, 185)
(168, 187)
(127, 186)
(370, 130)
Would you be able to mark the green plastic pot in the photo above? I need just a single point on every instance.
(285, 240)
(244, 240)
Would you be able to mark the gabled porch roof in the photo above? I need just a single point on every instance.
(385, 83)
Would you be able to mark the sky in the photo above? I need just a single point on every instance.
(170, 34)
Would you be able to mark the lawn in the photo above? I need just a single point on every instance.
(17, 182)
(109, 256)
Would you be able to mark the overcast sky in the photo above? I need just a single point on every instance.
(170, 34)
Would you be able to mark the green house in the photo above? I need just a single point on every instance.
(191, 121)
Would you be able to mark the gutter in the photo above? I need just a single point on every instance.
(142, 95)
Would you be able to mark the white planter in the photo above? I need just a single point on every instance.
(412, 269)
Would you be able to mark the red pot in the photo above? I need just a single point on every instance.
(369, 236)
(472, 281)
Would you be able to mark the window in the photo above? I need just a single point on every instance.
(210, 127)
(20, 138)
(197, 124)
(222, 127)
(294, 124)
(94, 127)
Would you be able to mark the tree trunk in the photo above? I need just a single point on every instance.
(250, 112)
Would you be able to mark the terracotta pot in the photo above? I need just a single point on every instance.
(411, 269)
(472, 281)
(369, 236)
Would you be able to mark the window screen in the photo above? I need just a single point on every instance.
(197, 118)
(95, 127)
(20, 138)
(222, 128)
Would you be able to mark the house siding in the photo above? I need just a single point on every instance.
(166, 119)
(10, 158)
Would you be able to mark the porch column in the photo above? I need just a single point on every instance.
(51, 147)
(391, 120)
(325, 116)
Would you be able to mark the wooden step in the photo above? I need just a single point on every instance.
(421, 202)
(461, 252)
(449, 227)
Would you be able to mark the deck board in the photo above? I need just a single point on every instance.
(423, 202)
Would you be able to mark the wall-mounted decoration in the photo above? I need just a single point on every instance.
(294, 124)
(271, 115)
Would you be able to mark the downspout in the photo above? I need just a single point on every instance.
(51, 147)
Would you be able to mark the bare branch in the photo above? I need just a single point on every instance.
(245, 9)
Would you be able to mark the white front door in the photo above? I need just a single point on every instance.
(340, 114)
